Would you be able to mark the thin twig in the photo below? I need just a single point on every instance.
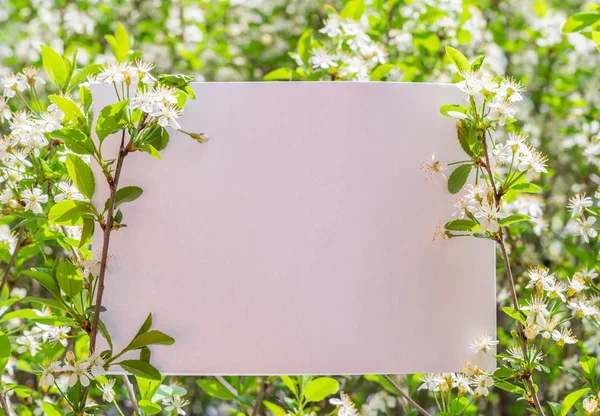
(76, 255)
(13, 258)
(4, 405)
(404, 394)
(113, 183)
(131, 393)
(513, 293)
(259, 398)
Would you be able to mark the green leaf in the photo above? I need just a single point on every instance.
(455, 111)
(127, 194)
(319, 388)
(280, 74)
(67, 106)
(149, 408)
(179, 81)
(513, 219)
(476, 65)
(105, 333)
(513, 313)
(147, 387)
(153, 337)
(119, 43)
(69, 278)
(526, 187)
(45, 279)
(141, 369)
(68, 212)
(54, 66)
(51, 409)
(588, 364)
(82, 74)
(463, 134)
(381, 71)
(215, 389)
(109, 119)
(461, 225)
(87, 231)
(458, 178)
(145, 326)
(305, 46)
(354, 9)
(290, 384)
(273, 408)
(458, 59)
(580, 21)
(4, 350)
(506, 386)
(76, 140)
(82, 175)
(571, 399)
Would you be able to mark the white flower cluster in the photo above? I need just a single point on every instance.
(78, 371)
(353, 54)
(478, 201)
(379, 403)
(159, 102)
(540, 319)
(15, 84)
(32, 340)
(583, 218)
(124, 72)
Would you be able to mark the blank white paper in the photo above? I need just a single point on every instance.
(299, 239)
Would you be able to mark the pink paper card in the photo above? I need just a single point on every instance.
(299, 239)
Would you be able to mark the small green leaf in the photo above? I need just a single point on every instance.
(51, 409)
(458, 59)
(506, 386)
(82, 74)
(110, 118)
(476, 65)
(149, 408)
(571, 399)
(141, 369)
(147, 387)
(127, 194)
(179, 81)
(458, 178)
(280, 74)
(153, 337)
(290, 384)
(87, 231)
(119, 43)
(69, 278)
(69, 108)
(45, 279)
(82, 175)
(68, 212)
(455, 111)
(319, 388)
(513, 313)
(526, 187)
(4, 350)
(215, 389)
(145, 326)
(76, 140)
(461, 225)
(354, 9)
(54, 66)
(513, 219)
(381, 71)
(588, 364)
(275, 409)
(305, 46)
(580, 21)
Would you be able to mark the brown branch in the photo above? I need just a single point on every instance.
(13, 258)
(405, 395)
(131, 393)
(113, 183)
(4, 405)
(513, 293)
(261, 395)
